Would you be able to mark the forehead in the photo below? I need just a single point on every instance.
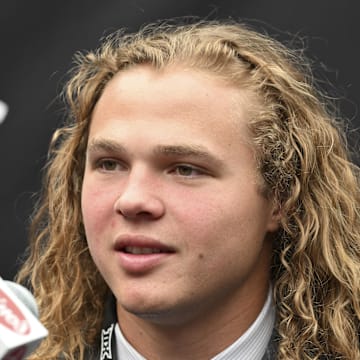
(178, 90)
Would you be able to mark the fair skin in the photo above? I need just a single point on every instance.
(173, 212)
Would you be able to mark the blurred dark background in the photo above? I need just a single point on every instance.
(39, 38)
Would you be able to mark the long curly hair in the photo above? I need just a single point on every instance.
(302, 157)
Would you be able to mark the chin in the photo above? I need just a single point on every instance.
(158, 317)
(156, 314)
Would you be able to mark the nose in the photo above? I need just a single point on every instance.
(140, 198)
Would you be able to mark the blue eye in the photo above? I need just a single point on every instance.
(108, 165)
(187, 171)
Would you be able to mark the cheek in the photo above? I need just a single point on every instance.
(203, 225)
(97, 206)
(205, 211)
(223, 222)
(194, 210)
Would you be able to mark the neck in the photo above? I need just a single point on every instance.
(202, 337)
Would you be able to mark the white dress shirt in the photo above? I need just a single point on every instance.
(249, 346)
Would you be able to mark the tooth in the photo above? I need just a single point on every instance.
(139, 250)
(146, 251)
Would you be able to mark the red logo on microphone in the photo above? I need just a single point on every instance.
(11, 317)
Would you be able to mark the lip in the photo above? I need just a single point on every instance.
(140, 263)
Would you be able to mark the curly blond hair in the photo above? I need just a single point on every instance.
(303, 160)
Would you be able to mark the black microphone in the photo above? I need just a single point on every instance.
(20, 330)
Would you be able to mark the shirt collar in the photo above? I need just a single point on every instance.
(254, 342)
(250, 345)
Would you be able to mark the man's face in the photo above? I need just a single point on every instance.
(173, 214)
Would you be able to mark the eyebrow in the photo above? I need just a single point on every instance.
(186, 150)
(98, 145)
(180, 150)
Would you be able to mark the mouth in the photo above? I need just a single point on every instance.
(141, 245)
(138, 254)
(135, 250)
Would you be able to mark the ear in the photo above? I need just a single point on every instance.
(275, 217)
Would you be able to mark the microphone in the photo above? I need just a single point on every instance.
(20, 329)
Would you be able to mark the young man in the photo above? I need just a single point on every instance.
(199, 204)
